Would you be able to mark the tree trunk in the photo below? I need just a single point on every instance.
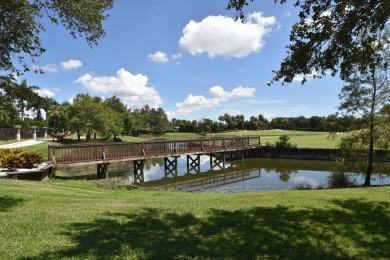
(367, 181)
(78, 135)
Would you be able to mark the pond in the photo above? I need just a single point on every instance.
(254, 174)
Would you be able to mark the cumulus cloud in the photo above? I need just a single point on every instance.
(71, 64)
(159, 57)
(132, 89)
(223, 36)
(44, 92)
(218, 96)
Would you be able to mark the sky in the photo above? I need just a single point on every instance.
(190, 58)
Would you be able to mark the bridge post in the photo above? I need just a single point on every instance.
(170, 166)
(218, 161)
(139, 166)
(102, 170)
(193, 164)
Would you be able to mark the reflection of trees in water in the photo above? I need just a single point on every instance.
(284, 177)
(346, 173)
(153, 162)
(340, 180)
(284, 173)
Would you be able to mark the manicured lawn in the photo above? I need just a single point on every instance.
(303, 139)
(71, 220)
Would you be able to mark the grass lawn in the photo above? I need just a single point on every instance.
(72, 220)
(304, 139)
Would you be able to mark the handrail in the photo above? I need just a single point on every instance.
(110, 151)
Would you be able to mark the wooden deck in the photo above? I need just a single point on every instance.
(114, 152)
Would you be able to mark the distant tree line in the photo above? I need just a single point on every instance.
(109, 118)
(331, 123)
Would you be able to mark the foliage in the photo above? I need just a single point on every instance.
(331, 37)
(367, 93)
(58, 117)
(21, 22)
(339, 180)
(16, 99)
(284, 142)
(152, 120)
(18, 158)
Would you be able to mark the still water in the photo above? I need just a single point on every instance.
(255, 174)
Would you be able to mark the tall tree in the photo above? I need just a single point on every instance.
(21, 22)
(367, 95)
(8, 111)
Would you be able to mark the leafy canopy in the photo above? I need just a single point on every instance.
(21, 22)
(331, 37)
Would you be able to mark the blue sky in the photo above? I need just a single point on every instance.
(188, 57)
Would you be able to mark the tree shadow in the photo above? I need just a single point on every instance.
(7, 203)
(351, 229)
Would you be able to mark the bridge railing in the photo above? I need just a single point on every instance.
(111, 151)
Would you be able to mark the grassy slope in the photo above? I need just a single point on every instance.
(57, 220)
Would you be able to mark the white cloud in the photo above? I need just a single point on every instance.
(50, 68)
(71, 99)
(71, 64)
(218, 96)
(300, 77)
(223, 36)
(159, 57)
(132, 89)
(177, 56)
(44, 92)
(46, 68)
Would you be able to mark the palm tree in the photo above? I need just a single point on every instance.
(23, 95)
(8, 112)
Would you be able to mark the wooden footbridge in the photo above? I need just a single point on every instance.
(102, 154)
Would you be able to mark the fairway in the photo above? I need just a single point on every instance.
(72, 220)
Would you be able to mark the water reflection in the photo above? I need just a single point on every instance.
(254, 174)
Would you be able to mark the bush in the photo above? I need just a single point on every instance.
(12, 159)
(284, 142)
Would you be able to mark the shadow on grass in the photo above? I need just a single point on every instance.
(7, 203)
(350, 229)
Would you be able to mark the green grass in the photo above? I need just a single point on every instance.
(71, 220)
(303, 139)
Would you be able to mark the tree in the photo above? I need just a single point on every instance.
(331, 37)
(21, 96)
(368, 96)
(21, 22)
(86, 115)
(58, 116)
(8, 112)
(118, 115)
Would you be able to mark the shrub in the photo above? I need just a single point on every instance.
(30, 158)
(12, 159)
(284, 142)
